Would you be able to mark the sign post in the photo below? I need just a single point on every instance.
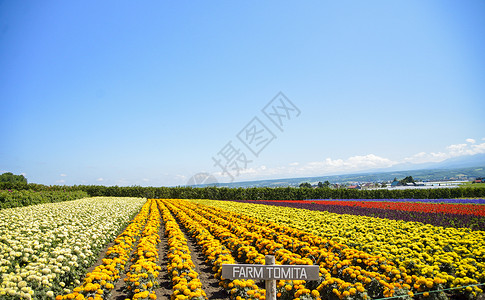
(270, 284)
(270, 272)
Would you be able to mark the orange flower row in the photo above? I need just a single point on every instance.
(261, 245)
(100, 282)
(217, 254)
(181, 269)
(140, 281)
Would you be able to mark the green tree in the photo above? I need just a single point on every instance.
(10, 177)
(407, 179)
(325, 184)
(305, 185)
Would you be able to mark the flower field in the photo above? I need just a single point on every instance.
(466, 213)
(46, 250)
(454, 256)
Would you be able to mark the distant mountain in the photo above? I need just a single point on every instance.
(463, 167)
(451, 163)
(463, 161)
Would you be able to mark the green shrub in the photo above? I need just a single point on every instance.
(16, 198)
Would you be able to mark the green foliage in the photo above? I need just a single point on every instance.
(305, 185)
(256, 193)
(406, 180)
(17, 198)
(10, 177)
(322, 185)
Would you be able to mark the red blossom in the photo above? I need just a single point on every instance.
(459, 209)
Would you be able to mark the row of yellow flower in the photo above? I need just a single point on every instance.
(444, 255)
(238, 243)
(259, 246)
(141, 278)
(217, 254)
(100, 282)
(181, 269)
(286, 289)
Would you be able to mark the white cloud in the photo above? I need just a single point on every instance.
(358, 162)
(454, 150)
(100, 179)
(63, 175)
(423, 157)
(465, 149)
(370, 161)
(480, 148)
(145, 179)
(315, 168)
(60, 181)
(457, 149)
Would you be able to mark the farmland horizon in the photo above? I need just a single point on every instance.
(463, 163)
(454, 169)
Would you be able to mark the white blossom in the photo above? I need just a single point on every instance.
(44, 243)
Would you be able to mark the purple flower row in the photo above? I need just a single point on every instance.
(450, 201)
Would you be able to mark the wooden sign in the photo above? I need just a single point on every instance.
(270, 272)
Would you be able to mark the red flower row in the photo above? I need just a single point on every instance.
(460, 209)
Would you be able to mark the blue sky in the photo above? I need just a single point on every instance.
(149, 93)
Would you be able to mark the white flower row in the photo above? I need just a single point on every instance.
(44, 248)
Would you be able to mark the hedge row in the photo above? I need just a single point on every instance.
(16, 198)
(285, 193)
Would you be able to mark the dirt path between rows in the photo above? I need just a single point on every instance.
(117, 293)
(209, 284)
(165, 284)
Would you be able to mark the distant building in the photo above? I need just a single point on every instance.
(395, 183)
(355, 187)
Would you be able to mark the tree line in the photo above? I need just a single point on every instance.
(254, 193)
